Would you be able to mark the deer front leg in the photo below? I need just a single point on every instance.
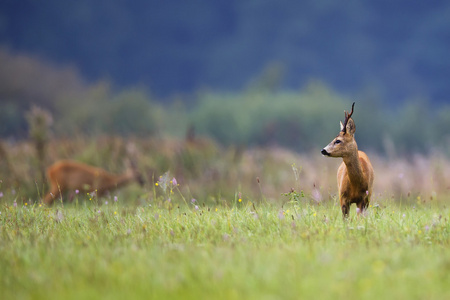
(51, 196)
(345, 204)
(345, 207)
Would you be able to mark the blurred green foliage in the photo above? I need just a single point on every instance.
(261, 115)
(298, 120)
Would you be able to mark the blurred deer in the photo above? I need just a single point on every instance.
(355, 174)
(67, 175)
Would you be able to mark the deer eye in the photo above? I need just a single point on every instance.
(337, 142)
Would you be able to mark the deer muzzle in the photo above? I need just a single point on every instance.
(325, 152)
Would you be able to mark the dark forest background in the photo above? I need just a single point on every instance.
(244, 72)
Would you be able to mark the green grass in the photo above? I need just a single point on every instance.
(247, 251)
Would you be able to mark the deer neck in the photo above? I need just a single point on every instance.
(354, 169)
(123, 179)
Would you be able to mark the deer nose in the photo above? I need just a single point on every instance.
(324, 152)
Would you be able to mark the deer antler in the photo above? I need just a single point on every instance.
(347, 117)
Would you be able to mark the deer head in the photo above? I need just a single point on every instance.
(344, 144)
(136, 174)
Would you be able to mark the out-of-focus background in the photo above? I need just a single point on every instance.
(221, 92)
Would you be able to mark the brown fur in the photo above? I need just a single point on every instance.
(353, 189)
(355, 175)
(66, 175)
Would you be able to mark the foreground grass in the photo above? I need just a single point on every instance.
(242, 252)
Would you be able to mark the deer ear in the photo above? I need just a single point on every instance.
(351, 128)
(342, 125)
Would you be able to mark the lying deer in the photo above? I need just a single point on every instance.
(355, 174)
(67, 175)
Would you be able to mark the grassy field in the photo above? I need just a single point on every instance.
(188, 250)
(241, 238)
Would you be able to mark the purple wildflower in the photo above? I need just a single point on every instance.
(1, 194)
(77, 192)
(115, 198)
(106, 202)
(196, 207)
(15, 203)
(174, 181)
(193, 200)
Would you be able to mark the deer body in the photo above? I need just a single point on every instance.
(67, 175)
(355, 174)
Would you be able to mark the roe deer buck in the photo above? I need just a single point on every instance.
(355, 174)
(66, 175)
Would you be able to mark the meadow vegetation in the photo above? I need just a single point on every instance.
(228, 223)
(238, 202)
(244, 250)
(208, 171)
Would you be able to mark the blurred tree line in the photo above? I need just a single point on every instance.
(303, 120)
(398, 48)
